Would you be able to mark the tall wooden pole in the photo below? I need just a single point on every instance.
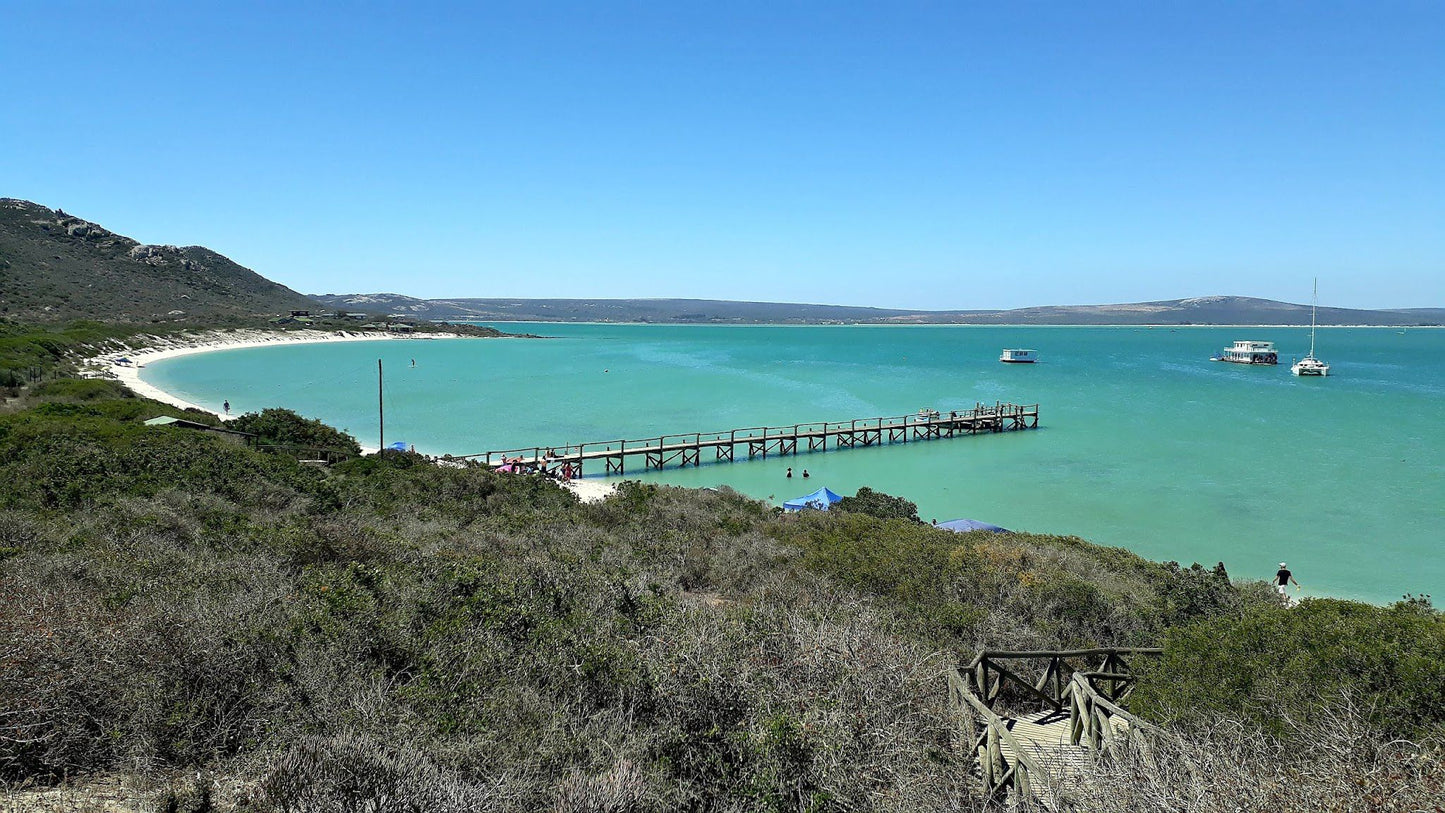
(380, 412)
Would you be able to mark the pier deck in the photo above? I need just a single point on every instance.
(761, 441)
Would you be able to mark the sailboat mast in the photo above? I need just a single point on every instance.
(1314, 303)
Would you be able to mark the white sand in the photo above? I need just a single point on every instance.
(591, 490)
(109, 365)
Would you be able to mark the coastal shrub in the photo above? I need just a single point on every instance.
(80, 389)
(285, 427)
(1274, 665)
(33, 352)
(985, 589)
(877, 504)
(401, 481)
(1226, 768)
(1193, 592)
(65, 455)
(388, 631)
(350, 772)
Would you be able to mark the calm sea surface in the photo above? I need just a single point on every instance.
(1143, 442)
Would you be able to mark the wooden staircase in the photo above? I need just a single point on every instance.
(1035, 731)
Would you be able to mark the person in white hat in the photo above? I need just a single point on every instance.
(1282, 580)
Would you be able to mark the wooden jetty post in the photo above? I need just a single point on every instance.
(686, 449)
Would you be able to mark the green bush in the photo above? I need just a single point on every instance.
(392, 629)
(962, 590)
(877, 504)
(1274, 668)
(81, 389)
(62, 455)
(285, 427)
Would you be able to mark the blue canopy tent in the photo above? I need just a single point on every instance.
(820, 499)
(963, 526)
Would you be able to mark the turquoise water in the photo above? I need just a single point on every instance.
(1144, 443)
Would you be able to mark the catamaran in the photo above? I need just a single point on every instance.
(1309, 365)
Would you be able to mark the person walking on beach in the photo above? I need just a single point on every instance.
(226, 405)
(1282, 580)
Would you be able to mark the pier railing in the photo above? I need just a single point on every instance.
(687, 448)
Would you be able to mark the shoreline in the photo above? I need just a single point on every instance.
(1151, 325)
(114, 364)
(127, 372)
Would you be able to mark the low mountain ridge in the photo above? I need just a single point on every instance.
(56, 267)
(1207, 310)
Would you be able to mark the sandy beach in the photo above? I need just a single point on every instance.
(125, 365)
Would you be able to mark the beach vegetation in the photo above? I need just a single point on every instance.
(173, 604)
(1276, 667)
(31, 353)
(284, 426)
(877, 504)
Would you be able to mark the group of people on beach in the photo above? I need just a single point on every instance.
(563, 472)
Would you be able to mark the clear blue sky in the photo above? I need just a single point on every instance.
(927, 155)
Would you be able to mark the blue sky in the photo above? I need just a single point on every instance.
(922, 155)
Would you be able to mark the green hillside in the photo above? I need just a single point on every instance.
(389, 634)
(55, 267)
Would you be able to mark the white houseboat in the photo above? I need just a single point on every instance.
(1018, 357)
(1250, 352)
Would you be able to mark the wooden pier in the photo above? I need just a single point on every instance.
(761, 441)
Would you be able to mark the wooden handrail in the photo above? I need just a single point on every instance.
(1091, 714)
(1114, 708)
(1068, 653)
(1090, 709)
(995, 729)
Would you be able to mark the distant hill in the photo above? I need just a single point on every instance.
(605, 310)
(1211, 310)
(57, 267)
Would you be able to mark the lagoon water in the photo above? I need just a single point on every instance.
(1143, 442)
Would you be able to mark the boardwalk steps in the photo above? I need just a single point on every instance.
(761, 441)
(1037, 755)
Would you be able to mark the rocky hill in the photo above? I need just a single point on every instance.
(1211, 310)
(56, 267)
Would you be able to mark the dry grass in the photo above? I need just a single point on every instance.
(1331, 764)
